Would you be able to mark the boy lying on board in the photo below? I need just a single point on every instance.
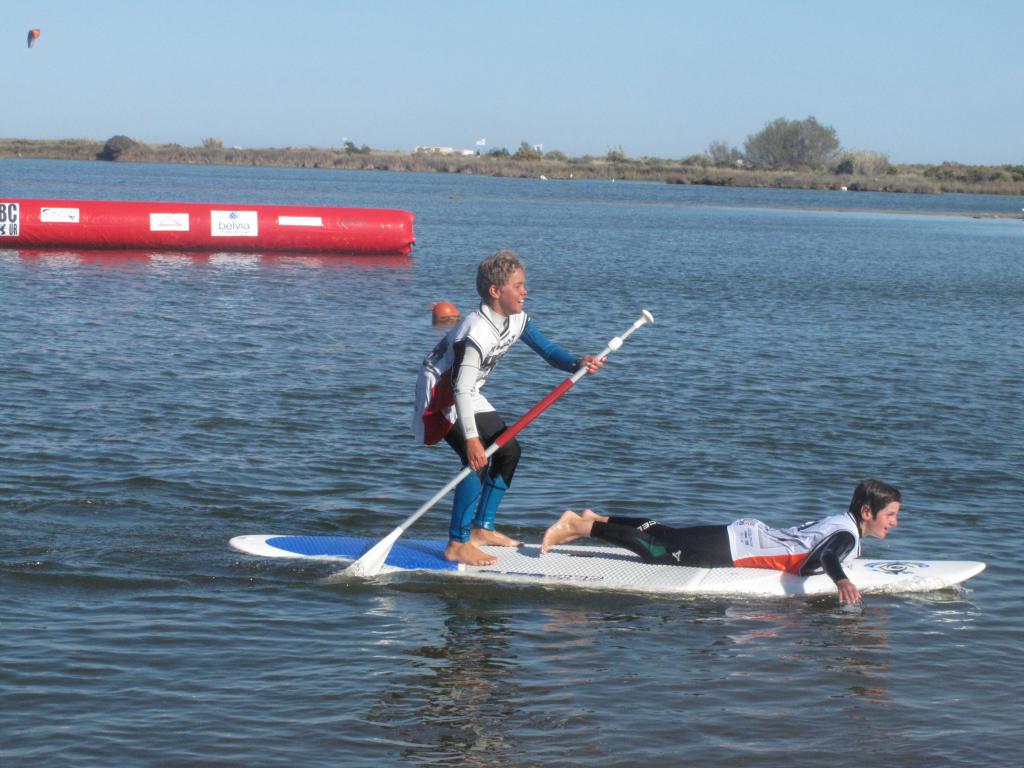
(806, 549)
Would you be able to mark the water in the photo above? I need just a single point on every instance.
(154, 407)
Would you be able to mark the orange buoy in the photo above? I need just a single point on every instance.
(445, 313)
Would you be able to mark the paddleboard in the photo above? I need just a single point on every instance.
(598, 567)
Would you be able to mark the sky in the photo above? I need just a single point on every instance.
(920, 82)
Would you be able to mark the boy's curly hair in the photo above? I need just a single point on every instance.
(497, 270)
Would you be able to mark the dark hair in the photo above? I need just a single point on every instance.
(497, 270)
(876, 494)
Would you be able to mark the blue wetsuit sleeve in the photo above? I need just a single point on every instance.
(828, 556)
(553, 354)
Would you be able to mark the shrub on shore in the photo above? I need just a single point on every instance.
(115, 147)
(792, 144)
(862, 163)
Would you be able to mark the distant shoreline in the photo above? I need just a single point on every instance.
(1005, 180)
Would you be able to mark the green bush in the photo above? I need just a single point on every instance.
(526, 152)
(863, 163)
(722, 154)
(792, 144)
(115, 147)
(617, 155)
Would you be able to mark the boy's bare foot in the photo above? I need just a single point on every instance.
(493, 538)
(562, 531)
(589, 514)
(466, 552)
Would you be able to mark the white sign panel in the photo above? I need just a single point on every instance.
(59, 215)
(233, 224)
(168, 222)
(9, 224)
(300, 221)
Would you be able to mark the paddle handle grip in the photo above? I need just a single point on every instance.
(645, 318)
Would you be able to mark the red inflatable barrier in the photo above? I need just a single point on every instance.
(111, 224)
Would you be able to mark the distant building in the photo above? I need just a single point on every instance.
(443, 151)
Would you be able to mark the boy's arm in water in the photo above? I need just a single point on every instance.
(554, 355)
(848, 592)
(829, 556)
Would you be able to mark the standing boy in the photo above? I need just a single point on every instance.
(450, 406)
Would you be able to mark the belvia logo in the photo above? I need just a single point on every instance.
(233, 224)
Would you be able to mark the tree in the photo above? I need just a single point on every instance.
(792, 144)
(616, 155)
(115, 147)
(526, 152)
(722, 154)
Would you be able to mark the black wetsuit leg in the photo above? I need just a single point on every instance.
(489, 425)
(703, 546)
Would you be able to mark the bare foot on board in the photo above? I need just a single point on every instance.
(589, 514)
(466, 552)
(493, 538)
(562, 531)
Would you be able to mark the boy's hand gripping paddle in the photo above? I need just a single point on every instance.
(371, 562)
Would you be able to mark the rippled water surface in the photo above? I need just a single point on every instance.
(153, 406)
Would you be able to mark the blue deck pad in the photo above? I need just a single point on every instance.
(410, 555)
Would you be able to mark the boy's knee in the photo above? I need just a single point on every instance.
(514, 451)
(504, 462)
(510, 453)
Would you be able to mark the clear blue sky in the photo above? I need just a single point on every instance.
(920, 81)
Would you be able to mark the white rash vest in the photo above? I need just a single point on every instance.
(490, 335)
(756, 545)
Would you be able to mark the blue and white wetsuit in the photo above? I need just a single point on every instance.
(451, 406)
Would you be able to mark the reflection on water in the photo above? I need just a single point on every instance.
(277, 260)
(840, 640)
(730, 676)
(456, 706)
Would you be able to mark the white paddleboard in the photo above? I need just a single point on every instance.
(608, 568)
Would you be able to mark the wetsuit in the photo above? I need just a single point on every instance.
(817, 546)
(450, 405)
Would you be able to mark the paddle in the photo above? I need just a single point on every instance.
(370, 563)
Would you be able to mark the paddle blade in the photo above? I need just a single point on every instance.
(373, 559)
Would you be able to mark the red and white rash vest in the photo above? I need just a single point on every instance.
(492, 335)
(756, 545)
